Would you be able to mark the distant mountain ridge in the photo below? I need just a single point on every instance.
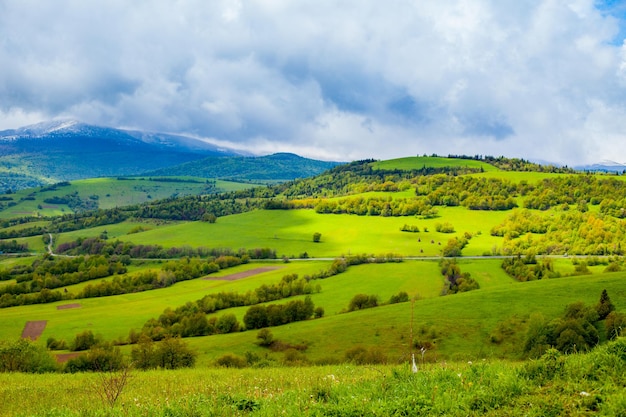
(604, 166)
(67, 150)
(279, 166)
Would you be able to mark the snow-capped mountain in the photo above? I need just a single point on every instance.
(68, 149)
(603, 166)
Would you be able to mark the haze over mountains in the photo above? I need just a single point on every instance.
(67, 150)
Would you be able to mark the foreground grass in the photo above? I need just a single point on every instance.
(581, 384)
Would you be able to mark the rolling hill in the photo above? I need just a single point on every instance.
(52, 152)
(536, 243)
(280, 166)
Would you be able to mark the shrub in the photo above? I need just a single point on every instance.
(231, 360)
(294, 357)
(401, 297)
(360, 355)
(615, 324)
(84, 341)
(265, 337)
(227, 324)
(54, 344)
(444, 227)
(24, 355)
(101, 358)
(361, 301)
(173, 353)
(142, 354)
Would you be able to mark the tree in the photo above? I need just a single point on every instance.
(265, 337)
(604, 306)
(227, 324)
(84, 341)
(361, 301)
(173, 353)
(317, 236)
(142, 354)
(23, 355)
(255, 317)
(615, 324)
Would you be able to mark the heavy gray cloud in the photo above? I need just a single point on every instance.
(335, 80)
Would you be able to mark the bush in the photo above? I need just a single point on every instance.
(54, 344)
(360, 355)
(230, 360)
(401, 297)
(25, 356)
(444, 227)
(361, 301)
(84, 341)
(101, 358)
(173, 353)
(265, 337)
(227, 324)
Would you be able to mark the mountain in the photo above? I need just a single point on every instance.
(280, 166)
(67, 150)
(604, 166)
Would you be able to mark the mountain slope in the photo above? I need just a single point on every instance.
(280, 166)
(67, 150)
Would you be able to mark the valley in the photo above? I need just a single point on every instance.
(368, 263)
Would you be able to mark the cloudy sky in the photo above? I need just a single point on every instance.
(339, 80)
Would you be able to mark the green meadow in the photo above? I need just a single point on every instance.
(419, 162)
(485, 388)
(110, 193)
(460, 323)
(472, 362)
(291, 233)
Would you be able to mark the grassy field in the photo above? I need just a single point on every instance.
(291, 233)
(460, 371)
(552, 386)
(419, 162)
(490, 388)
(110, 193)
(459, 325)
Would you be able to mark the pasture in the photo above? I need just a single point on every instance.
(419, 162)
(110, 193)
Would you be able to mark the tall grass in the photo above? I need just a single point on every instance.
(579, 384)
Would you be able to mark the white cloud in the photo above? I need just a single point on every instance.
(339, 80)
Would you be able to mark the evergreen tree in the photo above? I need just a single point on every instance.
(604, 306)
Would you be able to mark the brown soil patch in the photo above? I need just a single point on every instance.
(244, 274)
(64, 357)
(34, 329)
(66, 306)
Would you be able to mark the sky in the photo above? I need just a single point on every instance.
(341, 80)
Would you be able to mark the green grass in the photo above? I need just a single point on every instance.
(485, 388)
(291, 233)
(517, 176)
(110, 192)
(462, 322)
(419, 162)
